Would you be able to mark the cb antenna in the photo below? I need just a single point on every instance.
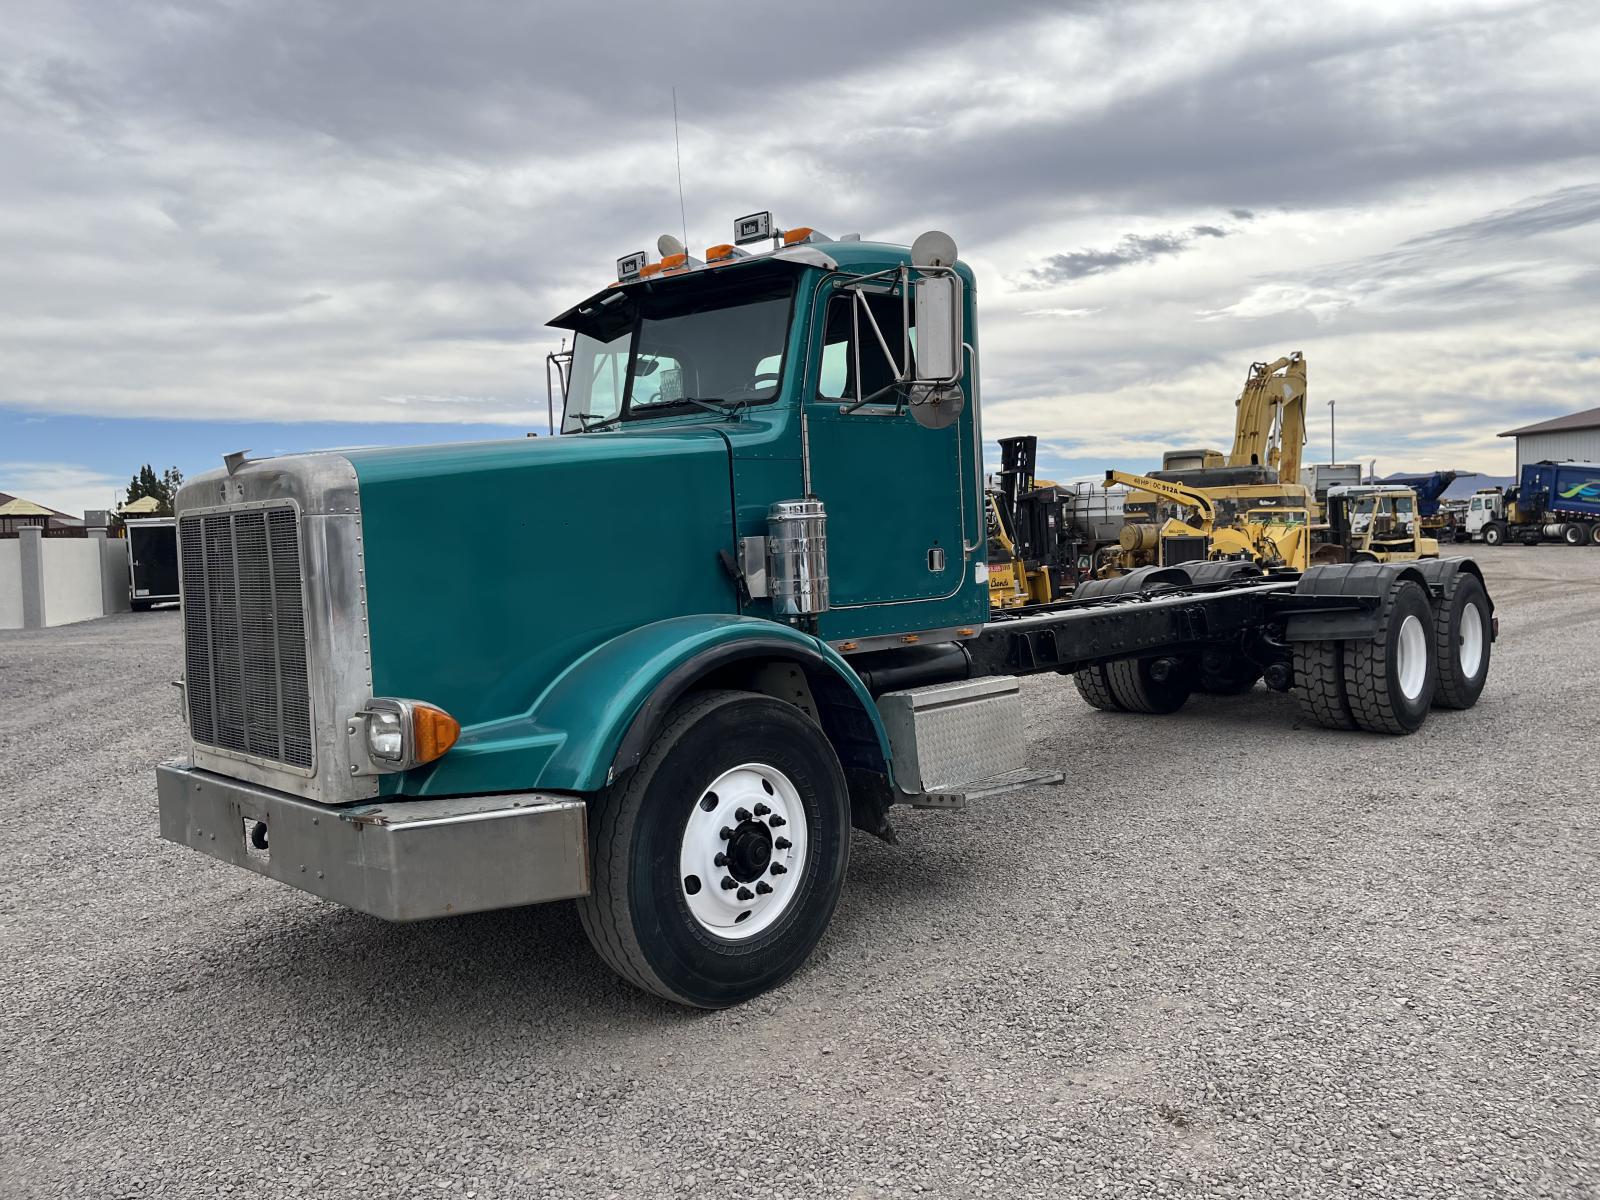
(677, 151)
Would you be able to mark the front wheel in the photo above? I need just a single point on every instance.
(1494, 534)
(718, 862)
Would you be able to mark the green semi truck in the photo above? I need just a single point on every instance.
(664, 662)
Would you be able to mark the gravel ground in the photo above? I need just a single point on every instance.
(1231, 957)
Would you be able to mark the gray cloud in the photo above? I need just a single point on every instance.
(1133, 248)
(295, 210)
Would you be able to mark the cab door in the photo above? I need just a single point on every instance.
(900, 497)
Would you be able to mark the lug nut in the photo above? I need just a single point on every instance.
(721, 859)
(726, 833)
(762, 810)
(763, 888)
(783, 843)
(779, 869)
(741, 814)
(777, 822)
(745, 894)
(728, 884)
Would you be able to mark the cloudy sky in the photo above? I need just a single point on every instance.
(279, 224)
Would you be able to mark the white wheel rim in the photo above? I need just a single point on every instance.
(1470, 642)
(763, 851)
(1412, 659)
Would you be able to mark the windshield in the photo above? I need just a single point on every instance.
(682, 348)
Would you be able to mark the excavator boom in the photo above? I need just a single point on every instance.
(1167, 490)
(1270, 427)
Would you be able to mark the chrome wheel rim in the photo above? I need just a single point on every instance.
(1469, 653)
(743, 851)
(1411, 665)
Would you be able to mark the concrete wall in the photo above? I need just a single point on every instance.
(55, 581)
(114, 573)
(1565, 445)
(10, 583)
(72, 589)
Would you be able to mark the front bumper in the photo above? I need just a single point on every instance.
(403, 860)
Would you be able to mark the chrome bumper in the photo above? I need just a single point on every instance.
(403, 860)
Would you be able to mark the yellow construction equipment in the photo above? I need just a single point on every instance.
(1269, 428)
(1265, 523)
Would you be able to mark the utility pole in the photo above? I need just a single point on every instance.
(1333, 446)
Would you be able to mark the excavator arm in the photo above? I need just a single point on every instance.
(1270, 426)
(1167, 490)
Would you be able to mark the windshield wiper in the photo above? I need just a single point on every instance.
(716, 404)
(599, 422)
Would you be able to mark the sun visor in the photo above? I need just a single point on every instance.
(620, 298)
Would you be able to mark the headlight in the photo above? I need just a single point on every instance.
(402, 734)
(386, 736)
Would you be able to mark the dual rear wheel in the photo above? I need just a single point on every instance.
(1422, 657)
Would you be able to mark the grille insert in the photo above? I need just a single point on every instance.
(244, 633)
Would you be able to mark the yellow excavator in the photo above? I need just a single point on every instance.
(1258, 509)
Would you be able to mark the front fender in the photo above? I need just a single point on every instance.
(598, 716)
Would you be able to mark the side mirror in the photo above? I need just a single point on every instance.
(939, 319)
(939, 332)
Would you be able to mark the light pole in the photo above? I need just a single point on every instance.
(1333, 447)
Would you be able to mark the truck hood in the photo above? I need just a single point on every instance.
(490, 566)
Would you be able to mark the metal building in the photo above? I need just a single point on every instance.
(1572, 438)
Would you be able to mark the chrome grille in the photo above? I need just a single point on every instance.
(244, 633)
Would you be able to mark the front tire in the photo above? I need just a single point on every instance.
(660, 911)
(1494, 534)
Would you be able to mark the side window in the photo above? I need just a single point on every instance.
(836, 379)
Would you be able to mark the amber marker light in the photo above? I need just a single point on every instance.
(433, 732)
(791, 236)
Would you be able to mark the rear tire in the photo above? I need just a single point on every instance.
(1594, 535)
(1462, 627)
(643, 830)
(1574, 535)
(1319, 684)
(1494, 534)
(1136, 688)
(1390, 680)
(1095, 688)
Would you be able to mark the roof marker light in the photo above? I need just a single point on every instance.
(794, 237)
(724, 253)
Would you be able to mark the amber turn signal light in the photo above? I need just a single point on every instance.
(433, 731)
